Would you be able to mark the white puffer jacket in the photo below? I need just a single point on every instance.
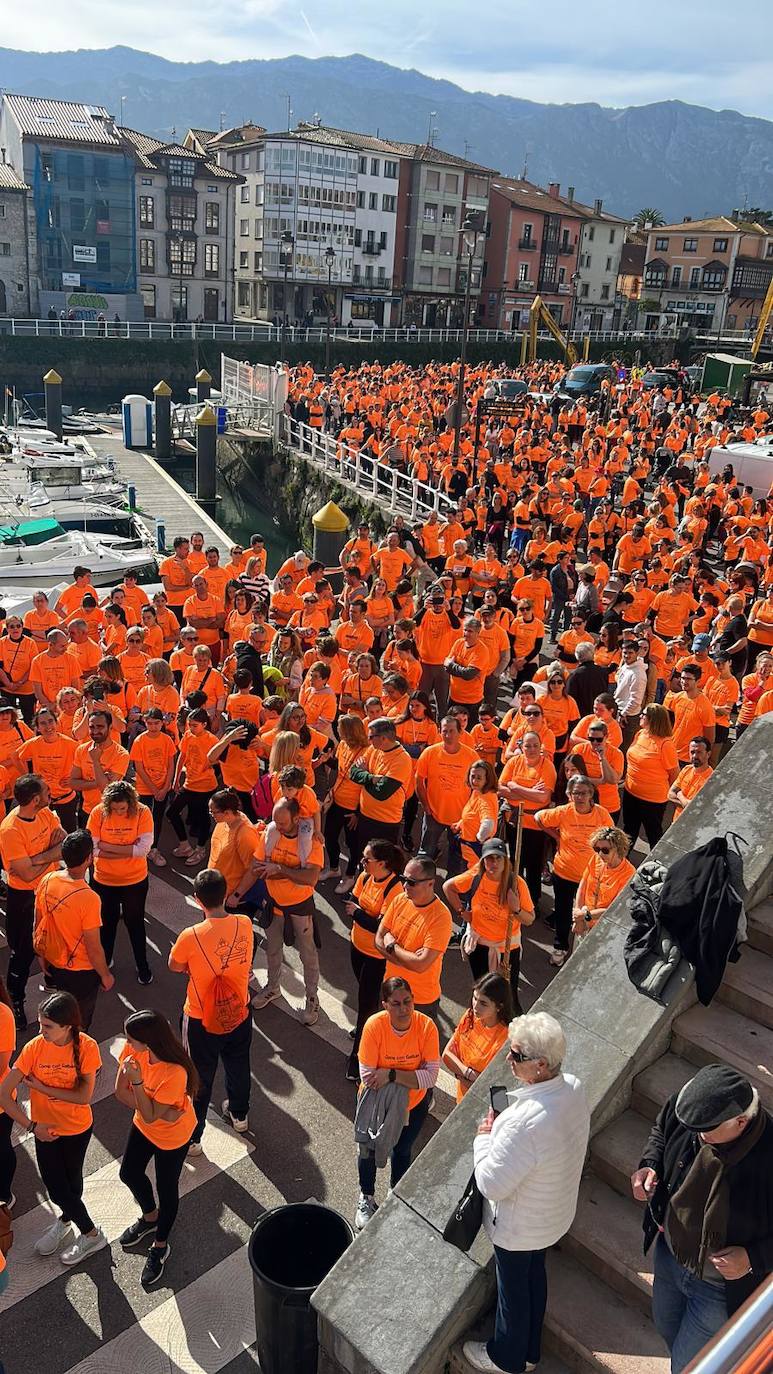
(528, 1169)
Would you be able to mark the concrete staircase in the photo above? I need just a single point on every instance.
(600, 1283)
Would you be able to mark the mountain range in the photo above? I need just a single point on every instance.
(681, 159)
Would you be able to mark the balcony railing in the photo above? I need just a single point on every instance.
(371, 249)
(527, 243)
(372, 283)
(566, 250)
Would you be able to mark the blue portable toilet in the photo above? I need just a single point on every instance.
(137, 419)
(222, 419)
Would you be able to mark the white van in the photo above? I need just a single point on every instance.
(751, 463)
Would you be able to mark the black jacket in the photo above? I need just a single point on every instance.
(670, 1151)
(585, 683)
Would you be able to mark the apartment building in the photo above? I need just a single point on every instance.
(706, 274)
(18, 285)
(185, 214)
(81, 229)
(595, 302)
(532, 249)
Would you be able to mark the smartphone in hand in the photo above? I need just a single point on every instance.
(499, 1099)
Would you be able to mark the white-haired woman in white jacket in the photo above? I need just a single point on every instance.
(528, 1163)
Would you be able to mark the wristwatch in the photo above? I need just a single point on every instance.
(392, 1075)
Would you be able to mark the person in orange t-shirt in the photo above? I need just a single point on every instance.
(54, 668)
(692, 777)
(291, 877)
(193, 784)
(99, 762)
(468, 665)
(156, 1077)
(392, 562)
(221, 945)
(571, 826)
(481, 1032)
(67, 908)
(30, 846)
(605, 876)
(376, 887)
(60, 1068)
(176, 574)
(121, 827)
(413, 935)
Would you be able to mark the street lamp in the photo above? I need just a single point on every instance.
(575, 280)
(330, 257)
(286, 245)
(471, 230)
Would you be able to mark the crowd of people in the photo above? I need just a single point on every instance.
(500, 698)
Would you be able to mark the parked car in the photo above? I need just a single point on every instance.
(509, 387)
(585, 379)
(659, 377)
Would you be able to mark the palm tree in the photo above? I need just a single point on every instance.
(649, 216)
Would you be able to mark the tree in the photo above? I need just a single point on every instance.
(649, 216)
(754, 216)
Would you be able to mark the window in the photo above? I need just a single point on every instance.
(147, 211)
(375, 167)
(360, 200)
(390, 170)
(243, 295)
(676, 276)
(5, 250)
(363, 166)
(181, 171)
(584, 289)
(146, 181)
(77, 216)
(182, 256)
(258, 229)
(430, 213)
(769, 253)
(182, 213)
(695, 276)
(245, 163)
(605, 293)
(690, 246)
(713, 278)
(432, 182)
(244, 228)
(562, 275)
(609, 265)
(527, 235)
(611, 236)
(389, 204)
(373, 200)
(661, 245)
(211, 190)
(244, 194)
(591, 233)
(148, 294)
(446, 246)
(444, 276)
(428, 243)
(212, 259)
(258, 260)
(244, 261)
(212, 216)
(523, 271)
(425, 276)
(147, 255)
(382, 239)
(720, 245)
(452, 183)
(449, 215)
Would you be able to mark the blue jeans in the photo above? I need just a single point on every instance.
(401, 1154)
(686, 1310)
(522, 1291)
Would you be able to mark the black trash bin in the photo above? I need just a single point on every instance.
(291, 1250)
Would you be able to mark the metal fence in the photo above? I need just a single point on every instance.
(396, 493)
(258, 332)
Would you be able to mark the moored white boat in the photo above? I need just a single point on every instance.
(40, 553)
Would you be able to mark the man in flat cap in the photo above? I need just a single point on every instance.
(706, 1175)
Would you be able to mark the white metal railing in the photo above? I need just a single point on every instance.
(257, 331)
(387, 487)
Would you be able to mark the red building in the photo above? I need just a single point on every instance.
(531, 250)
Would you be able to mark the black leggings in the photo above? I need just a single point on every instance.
(68, 814)
(60, 1164)
(158, 807)
(479, 965)
(565, 893)
(334, 824)
(196, 804)
(369, 973)
(168, 1164)
(7, 1157)
(646, 815)
(532, 859)
(127, 903)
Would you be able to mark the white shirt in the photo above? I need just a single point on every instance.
(631, 687)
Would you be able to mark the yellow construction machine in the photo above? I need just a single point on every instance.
(539, 314)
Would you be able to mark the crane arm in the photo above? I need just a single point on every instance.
(767, 307)
(539, 314)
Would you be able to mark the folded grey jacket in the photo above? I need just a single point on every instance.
(380, 1117)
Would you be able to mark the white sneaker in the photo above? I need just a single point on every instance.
(345, 885)
(366, 1208)
(157, 858)
(558, 958)
(239, 1123)
(195, 1148)
(476, 1354)
(311, 1011)
(49, 1242)
(194, 858)
(328, 873)
(265, 995)
(83, 1246)
(182, 850)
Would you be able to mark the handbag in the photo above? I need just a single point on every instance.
(466, 1219)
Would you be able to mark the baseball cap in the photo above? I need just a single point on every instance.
(494, 846)
(701, 642)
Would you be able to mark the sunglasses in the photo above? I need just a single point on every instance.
(602, 849)
(596, 739)
(412, 882)
(518, 1057)
(532, 714)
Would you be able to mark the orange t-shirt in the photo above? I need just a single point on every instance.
(466, 690)
(346, 793)
(488, 916)
(393, 763)
(212, 947)
(54, 1065)
(691, 717)
(600, 884)
(479, 807)
(476, 1045)
(689, 782)
(178, 573)
(133, 666)
(207, 608)
(21, 839)
(7, 1036)
(354, 638)
(575, 829)
(16, 659)
(52, 674)
(232, 851)
(244, 706)
(154, 754)
(519, 771)
(70, 906)
(114, 829)
(113, 759)
(167, 1085)
(415, 927)
(199, 774)
(445, 777)
(647, 765)
(71, 598)
(213, 686)
(392, 564)
(382, 1047)
(373, 896)
(285, 852)
(53, 761)
(609, 792)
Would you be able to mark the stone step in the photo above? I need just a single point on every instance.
(716, 1034)
(592, 1330)
(761, 928)
(606, 1237)
(654, 1085)
(747, 986)
(615, 1152)
(457, 1364)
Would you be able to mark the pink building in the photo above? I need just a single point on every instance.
(531, 250)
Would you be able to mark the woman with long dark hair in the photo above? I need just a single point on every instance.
(375, 888)
(156, 1077)
(7, 1048)
(59, 1067)
(481, 1032)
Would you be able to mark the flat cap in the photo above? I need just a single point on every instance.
(716, 1094)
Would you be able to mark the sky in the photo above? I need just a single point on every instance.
(707, 52)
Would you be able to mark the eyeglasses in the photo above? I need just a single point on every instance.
(602, 849)
(518, 1057)
(534, 714)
